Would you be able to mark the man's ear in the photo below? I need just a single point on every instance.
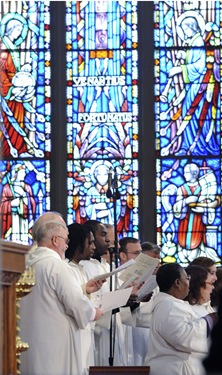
(177, 283)
(122, 256)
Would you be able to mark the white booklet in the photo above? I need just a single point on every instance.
(116, 270)
(140, 271)
(111, 300)
(147, 287)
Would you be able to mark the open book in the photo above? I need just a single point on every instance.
(136, 271)
(139, 272)
(104, 276)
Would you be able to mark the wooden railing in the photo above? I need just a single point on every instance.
(12, 267)
(119, 370)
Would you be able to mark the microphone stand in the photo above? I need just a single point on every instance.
(113, 193)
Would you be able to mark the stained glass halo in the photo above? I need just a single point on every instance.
(106, 163)
(190, 14)
(13, 17)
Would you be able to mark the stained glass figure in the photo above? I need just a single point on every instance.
(25, 119)
(25, 188)
(24, 65)
(188, 108)
(102, 110)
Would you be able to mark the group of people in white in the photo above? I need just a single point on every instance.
(169, 330)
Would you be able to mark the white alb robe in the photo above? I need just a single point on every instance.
(51, 317)
(123, 343)
(204, 309)
(178, 338)
(92, 268)
(86, 335)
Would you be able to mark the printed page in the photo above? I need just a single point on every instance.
(112, 300)
(140, 271)
(116, 270)
(147, 287)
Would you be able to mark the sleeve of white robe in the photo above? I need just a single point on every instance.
(71, 296)
(181, 329)
(140, 317)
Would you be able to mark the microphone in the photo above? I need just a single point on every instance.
(110, 178)
(115, 185)
(109, 192)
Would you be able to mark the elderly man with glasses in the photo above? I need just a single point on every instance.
(55, 310)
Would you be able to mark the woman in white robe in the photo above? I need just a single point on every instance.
(201, 287)
(178, 337)
(55, 310)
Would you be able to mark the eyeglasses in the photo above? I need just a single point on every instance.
(65, 239)
(188, 277)
(138, 252)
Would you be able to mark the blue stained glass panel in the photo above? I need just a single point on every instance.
(189, 209)
(25, 77)
(187, 123)
(87, 192)
(102, 109)
(25, 194)
(25, 135)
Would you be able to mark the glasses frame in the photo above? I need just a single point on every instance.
(188, 277)
(136, 252)
(67, 240)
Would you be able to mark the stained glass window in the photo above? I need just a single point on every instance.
(102, 113)
(25, 116)
(188, 144)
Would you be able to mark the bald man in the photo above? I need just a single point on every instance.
(47, 216)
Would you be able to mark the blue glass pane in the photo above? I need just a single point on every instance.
(25, 194)
(189, 209)
(188, 82)
(25, 75)
(25, 79)
(88, 197)
(187, 124)
(102, 107)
